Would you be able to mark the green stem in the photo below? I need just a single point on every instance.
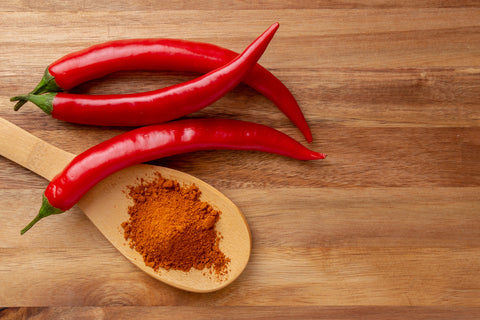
(47, 84)
(46, 210)
(19, 104)
(44, 101)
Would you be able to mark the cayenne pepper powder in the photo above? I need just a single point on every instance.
(172, 228)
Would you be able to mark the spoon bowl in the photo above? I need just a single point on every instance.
(106, 205)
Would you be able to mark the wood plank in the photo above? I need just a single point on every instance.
(315, 22)
(282, 217)
(419, 97)
(244, 312)
(357, 157)
(322, 276)
(123, 5)
(433, 97)
(344, 38)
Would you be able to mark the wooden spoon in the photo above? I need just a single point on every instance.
(106, 205)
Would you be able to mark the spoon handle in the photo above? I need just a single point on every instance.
(31, 152)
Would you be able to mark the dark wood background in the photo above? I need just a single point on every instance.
(387, 227)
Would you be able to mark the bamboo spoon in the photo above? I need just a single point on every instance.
(106, 205)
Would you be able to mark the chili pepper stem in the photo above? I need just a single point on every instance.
(47, 84)
(46, 210)
(19, 104)
(44, 101)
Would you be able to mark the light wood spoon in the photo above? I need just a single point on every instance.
(106, 205)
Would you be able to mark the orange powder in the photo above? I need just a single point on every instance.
(172, 229)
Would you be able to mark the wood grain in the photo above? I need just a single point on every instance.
(387, 227)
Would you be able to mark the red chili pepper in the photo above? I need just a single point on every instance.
(157, 141)
(154, 106)
(162, 54)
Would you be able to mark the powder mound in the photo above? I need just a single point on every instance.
(172, 228)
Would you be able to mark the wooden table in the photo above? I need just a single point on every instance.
(387, 227)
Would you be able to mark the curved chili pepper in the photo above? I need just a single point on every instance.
(154, 106)
(158, 141)
(162, 54)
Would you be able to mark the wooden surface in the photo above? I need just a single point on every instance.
(388, 227)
